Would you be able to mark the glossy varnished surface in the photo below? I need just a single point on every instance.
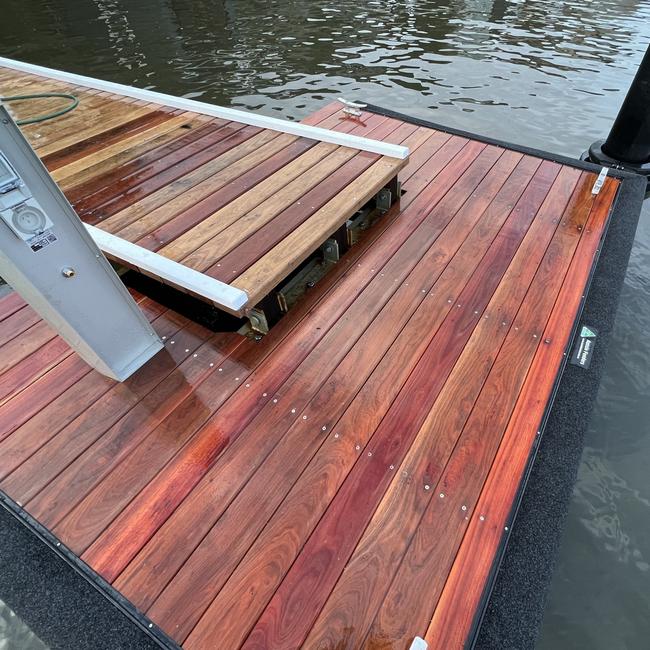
(239, 203)
(345, 482)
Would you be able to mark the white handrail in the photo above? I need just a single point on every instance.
(170, 272)
(244, 117)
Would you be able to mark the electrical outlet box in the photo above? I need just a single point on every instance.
(47, 256)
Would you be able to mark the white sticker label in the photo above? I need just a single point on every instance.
(600, 181)
(39, 242)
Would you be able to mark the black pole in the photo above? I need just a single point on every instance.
(628, 143)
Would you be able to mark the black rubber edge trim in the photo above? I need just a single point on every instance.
(564, 160)
(94, 579)
(636, 185)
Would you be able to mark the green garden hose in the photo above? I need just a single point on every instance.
(41, 118)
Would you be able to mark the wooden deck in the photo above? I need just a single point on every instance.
(346, 482)
(241, 204)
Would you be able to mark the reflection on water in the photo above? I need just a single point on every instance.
(14, 634)
(551, 71)
(547, 73)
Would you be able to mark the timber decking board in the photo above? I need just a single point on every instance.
(151, 176)
(287, 492)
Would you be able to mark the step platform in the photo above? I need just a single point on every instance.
(218, 203)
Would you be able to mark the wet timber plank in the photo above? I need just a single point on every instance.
(384, 344)
(244, 175)
(10, 304)
(186, 247)
(315, 378)
(251, 207)
(387, 248)
(238, 501)
(142, 167)
(94, 196)
(103, 121)
(360, 493)
(315, 485)
(258, 279)
(466, 391)
(181, 476)
(456, 610)
(247, 242)
(111, 136)
(157, 184)
(474, 451)
(118, 154)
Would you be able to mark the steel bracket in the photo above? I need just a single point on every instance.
(384, 200)
(330, 251)
(257, 319)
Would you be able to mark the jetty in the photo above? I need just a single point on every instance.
(349, 477)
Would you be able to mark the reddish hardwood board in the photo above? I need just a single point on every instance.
(134, 576)
(14, 325)
(209, 253)
(364, 352)
(116, 134)
(55, 502)
(293, 452)
(220, 512)
(197, 458)
(175, 171)
(458, 605)
(311, 494)
(187, 150)
(481, 436)
(264, 239)
(10, 304)
(32, 367)
(404, 501)
(318, 566)
(139, 168)
(13, 352)
(30, 433)
(224, 195)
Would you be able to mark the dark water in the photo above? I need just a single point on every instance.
(14, 634)
(545, 73)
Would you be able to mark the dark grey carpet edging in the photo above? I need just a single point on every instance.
(517, 596)
(64, 602)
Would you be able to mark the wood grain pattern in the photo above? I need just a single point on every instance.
(238, 178)
(129, 148)
(247, 242)
(403, 503)
(91, 196)
(317, 567)
(103, 126)
(169, 488)
(113, 135)
(265, 491)
(457, 608)
(173, 194)
(10, 304)
(317, 485)
(197, 248)
(262, 276)
(239, 226)
(135, 578)
(286, 492)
